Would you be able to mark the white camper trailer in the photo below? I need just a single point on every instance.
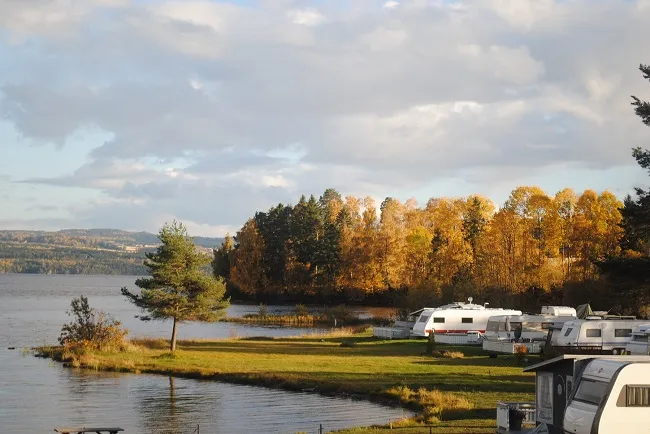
(526, 327)
(456, 318)
(639, 343)
(607, 335)
(611, 396)
(506, 332)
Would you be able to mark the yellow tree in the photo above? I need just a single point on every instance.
(366, 267)
(418, 246)
(247, 271)
(525, 257)
(587, 232)
(349, 219)
(565, 205)
(449, 250)
(501, 259)
(610, 225)
(392, 242)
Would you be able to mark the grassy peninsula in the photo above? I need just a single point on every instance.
(456, 394)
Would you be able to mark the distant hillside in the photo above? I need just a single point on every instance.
(131, 238)
(81, 251)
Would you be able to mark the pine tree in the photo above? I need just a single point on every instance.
(178, 287)
(222, 260)
(636, 211)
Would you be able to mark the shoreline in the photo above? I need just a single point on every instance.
(352, 366)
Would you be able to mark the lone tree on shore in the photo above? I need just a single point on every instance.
(179, 288)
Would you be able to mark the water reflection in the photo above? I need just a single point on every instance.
(36, 395)
(177, 413)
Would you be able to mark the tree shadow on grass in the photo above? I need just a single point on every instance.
(506, 362)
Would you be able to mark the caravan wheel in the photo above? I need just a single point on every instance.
(617, 351)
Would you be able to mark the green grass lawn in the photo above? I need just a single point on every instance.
(379, 370)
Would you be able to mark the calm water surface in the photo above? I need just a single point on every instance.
(36, 395)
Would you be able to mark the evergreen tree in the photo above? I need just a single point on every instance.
(275, 230)
(474, 223)
(636, 211)
(178, 287)
(222, 260)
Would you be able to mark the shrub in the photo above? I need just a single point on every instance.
(341, 313)
(444, 354)
(301, 310)
(263, 312)
(521, 353)
(433, 402)
(90, 328)
(431, 342)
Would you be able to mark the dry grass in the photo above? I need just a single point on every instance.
(435, 403)
(448, 354)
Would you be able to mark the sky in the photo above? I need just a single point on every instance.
(130, 113)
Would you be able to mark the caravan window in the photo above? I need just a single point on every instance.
(622, 333)
(438, 319)
(568, 331)
(594, 333)
(467, 320)
(638, 396)
(641, 338)
(591, 391)
(424, 318)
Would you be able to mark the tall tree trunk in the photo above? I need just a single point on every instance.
(174, 330)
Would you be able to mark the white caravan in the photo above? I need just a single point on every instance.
(609, 335)
(612, 396)
(639, 343)
(458, 318)
(527, 327)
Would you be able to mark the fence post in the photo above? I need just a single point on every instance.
(320, 429)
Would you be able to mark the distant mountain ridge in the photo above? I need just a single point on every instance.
(82, 251)
(126, 237)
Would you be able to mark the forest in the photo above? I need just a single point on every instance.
(35, 259)
(534, 249)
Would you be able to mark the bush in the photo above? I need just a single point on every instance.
(433, 402)
(342, 314)
(91, 329)
(521, 353)
(431, 342)
(444, 354)
(301, 310)
(262, 311)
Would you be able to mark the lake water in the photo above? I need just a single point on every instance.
(37, 395)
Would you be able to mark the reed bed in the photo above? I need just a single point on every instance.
(282, 320)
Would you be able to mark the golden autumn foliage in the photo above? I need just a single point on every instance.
(448, 249)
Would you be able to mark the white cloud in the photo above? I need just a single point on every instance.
(306, 17)
(385, 39)
(263, 102)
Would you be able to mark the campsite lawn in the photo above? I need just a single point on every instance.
(354, 364)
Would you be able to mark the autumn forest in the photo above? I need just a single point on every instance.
(449, 249)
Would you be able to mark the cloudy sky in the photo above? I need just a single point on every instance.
(128, 113)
